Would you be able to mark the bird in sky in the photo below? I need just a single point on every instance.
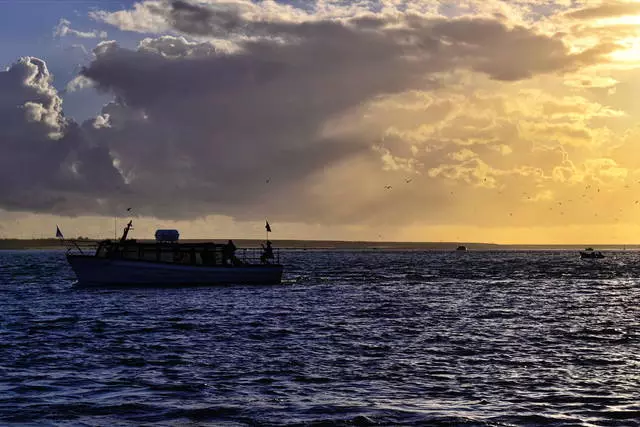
(387, 187)
(408, 180)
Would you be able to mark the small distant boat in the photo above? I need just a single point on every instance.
(462, 248)
(589, 253)
(167, 262)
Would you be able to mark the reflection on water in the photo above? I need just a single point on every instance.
(351, 338)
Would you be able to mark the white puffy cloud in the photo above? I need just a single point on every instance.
(79, 83)
(64, 29)
(46, 164)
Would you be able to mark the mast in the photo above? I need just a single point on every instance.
(126, 232)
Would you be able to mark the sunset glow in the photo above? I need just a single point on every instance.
(487, 121)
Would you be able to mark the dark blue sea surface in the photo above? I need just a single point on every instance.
(349, 339)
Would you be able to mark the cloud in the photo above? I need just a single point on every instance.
(46, 165)
(78, 83)
(211, 17)
(484, 44)
(142, 18)
(212, 114)
(608, 10)
(64, 29)
(303, 116)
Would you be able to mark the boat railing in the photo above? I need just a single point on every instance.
(257, 256)
(81, 246)
(253, 255)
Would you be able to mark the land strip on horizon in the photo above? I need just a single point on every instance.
(328, 244)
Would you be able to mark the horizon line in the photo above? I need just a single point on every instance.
(370, 242)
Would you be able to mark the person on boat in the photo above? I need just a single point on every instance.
(229, 253)
(267, 253)
(206, 256)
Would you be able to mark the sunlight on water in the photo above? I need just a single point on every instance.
(358, 338)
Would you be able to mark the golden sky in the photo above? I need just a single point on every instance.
(473, 121)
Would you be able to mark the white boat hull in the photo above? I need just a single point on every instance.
(95, 271)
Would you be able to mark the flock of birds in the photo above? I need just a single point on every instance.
(528, 196)
(559, 204)
(407, 180)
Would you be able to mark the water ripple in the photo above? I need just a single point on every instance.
(350, 339)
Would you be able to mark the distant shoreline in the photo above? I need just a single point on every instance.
(19, 244)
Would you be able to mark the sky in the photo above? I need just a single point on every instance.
(384, 120)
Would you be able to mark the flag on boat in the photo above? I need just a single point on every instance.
(268, 227)
(59, 233)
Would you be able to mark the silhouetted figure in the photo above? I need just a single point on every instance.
(207, 257)
(228, 253)
(267, 253)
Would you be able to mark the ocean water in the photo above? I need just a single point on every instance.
(350, 339)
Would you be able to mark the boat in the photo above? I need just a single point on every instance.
(589, 253)
(169, 262)
(461, 248)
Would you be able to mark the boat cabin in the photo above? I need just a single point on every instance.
(167, 249)
(180, 253)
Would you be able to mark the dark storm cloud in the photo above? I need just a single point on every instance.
(213, 128)
(485, 45)
(195, 131)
